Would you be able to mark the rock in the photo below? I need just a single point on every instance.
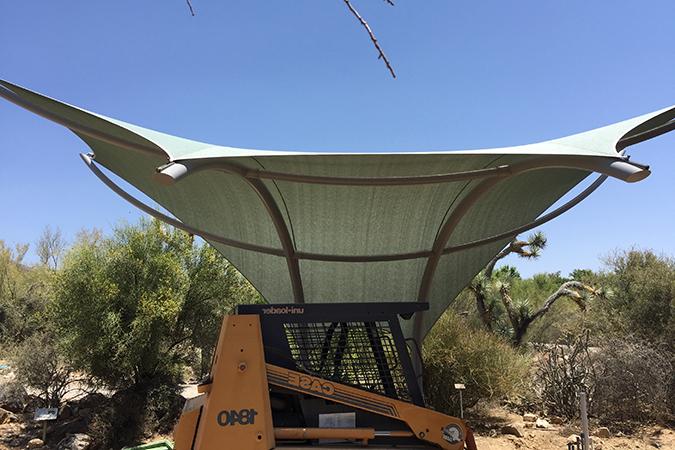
(6, 417)
(77, 441)
(35, 443)
(64, 428)
(602, 432)
(542, 423)
(512, 429)
(529, 417)
(529, 425)
(597, 446)
(66, 412)
(557, 421)
(573, 439)
(654, 442)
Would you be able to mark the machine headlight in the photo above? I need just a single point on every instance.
(452, 433)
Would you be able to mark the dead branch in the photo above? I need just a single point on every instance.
(372, 35)
(192, 11)
(525, 249)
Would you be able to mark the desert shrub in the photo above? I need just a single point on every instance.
(564, 369)
(635, 377)
(119, 422)
(163, 406)
(13, 397)
(133, 307)
(643, 303)
(134, 415)
(455, 353)
(39, 365)
(24, 296)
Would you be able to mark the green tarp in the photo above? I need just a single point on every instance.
(352, 227)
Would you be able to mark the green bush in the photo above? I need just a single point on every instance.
(643, 303)
(488, 366)
(132, 308)
(25, 294)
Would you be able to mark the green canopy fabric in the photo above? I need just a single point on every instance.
(310, 227)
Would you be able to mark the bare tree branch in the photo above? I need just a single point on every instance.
(372, 35)
(390, 2)
(192, 11)
(50, 247)
(525, 249)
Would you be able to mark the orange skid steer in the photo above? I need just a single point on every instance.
(314, 375)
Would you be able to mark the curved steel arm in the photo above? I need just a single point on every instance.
(540, 221)
(284, 236)
(287, 250)
(88, 160)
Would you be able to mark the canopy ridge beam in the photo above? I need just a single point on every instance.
(619, 167)
(168, 174)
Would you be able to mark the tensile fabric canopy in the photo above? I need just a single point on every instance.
(309, 227)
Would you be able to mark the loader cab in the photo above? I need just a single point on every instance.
(358, 345)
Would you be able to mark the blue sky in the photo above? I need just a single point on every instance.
(303, 75)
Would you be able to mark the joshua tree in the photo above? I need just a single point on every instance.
(521, 314)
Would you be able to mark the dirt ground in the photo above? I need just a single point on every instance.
(490, 424)
(557, 436)
(544, 440)
(533, 439)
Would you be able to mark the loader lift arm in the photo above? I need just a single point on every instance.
(280, 370)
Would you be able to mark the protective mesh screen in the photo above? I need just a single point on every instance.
(359, 354)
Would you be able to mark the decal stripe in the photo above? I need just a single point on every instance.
(280, 378)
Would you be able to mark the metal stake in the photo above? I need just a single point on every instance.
(584, 421)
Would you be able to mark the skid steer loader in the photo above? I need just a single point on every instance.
(297, 376)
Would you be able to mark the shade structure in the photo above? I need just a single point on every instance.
(307, 227)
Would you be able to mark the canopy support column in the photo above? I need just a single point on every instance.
(437, 251)
(284, 236)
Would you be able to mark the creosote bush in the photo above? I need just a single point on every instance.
(633, 385)
(39, 365)
(488, 366)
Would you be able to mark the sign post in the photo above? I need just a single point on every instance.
(44, 415)
(460, 387)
